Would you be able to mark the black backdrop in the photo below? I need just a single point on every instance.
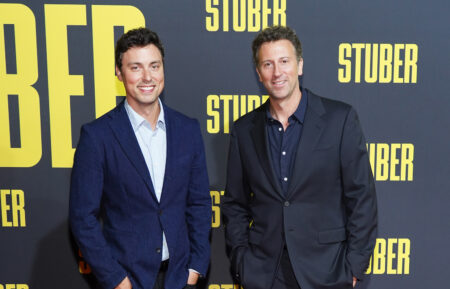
(389, 59)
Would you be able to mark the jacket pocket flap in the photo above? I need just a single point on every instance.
(332, 236)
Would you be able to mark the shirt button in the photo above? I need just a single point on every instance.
(286, 204)
(285, 179)
(279, 129)
(283, 153)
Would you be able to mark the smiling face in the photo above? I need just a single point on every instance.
(142, 74)
(278, 69)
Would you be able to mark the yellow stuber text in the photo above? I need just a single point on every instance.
(20, 84)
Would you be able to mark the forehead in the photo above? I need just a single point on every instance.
(276, 49)
(148, 53)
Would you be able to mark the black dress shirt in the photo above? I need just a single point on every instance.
(283, 144)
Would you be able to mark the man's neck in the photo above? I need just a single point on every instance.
(149, 112)
(282, 109)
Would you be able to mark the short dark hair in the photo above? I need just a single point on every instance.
(275, 33)
(138, 37)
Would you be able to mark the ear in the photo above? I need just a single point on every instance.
(118, 73)
(259, 75)
(300, 66)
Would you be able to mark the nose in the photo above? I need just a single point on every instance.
(276, 70)
(147, 75)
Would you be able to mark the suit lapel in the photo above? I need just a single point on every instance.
(312, 130)
(259, 138)
(170, 152)
(123, 131)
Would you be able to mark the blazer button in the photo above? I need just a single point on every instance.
(158, 250)
(286, 204)
(160, 212)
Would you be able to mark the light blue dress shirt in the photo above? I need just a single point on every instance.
(153, 145)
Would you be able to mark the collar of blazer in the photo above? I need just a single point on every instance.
(312, 129)
(123, 132)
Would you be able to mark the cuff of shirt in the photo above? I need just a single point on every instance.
(195, 271)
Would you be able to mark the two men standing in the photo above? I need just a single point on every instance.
(299, 205)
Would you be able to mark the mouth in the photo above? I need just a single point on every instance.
(147, 88)
(278, 83)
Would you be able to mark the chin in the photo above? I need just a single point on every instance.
(279, 96)
(149, 99)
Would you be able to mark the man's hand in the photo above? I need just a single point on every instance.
(125, 284)
(193, 278)
(354, 281)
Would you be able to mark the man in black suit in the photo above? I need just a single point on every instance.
(300, 206)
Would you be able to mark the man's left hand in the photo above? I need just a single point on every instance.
(354, 281)
(193, 277)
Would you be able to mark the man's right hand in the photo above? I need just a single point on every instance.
(125, 284)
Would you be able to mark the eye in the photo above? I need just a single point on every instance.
(267, 64)
(155, 66)
(134, 68)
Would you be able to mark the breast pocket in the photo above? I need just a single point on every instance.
(184, 160)
(325, 147)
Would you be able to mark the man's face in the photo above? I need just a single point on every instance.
(142, 74)
(278, 68)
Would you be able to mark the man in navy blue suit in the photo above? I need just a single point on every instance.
(140, 208)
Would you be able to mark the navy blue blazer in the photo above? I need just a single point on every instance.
(114, 213)
(328, 218)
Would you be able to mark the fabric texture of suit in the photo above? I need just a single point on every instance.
(111, 182)
(327, 220)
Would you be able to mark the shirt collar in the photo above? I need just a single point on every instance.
(300, 112)
(137, 120)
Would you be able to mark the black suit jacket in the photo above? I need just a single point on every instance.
(328, 218)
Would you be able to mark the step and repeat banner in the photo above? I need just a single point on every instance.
(389, 59)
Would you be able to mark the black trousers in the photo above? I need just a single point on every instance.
(159, 284)
(285, 277)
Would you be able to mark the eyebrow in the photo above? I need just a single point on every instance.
(140, 63)
(133, 63)
(270, 60)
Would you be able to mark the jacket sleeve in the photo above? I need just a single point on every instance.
(235, 206)
(84, 205)
(359, 196)
(198, 211)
